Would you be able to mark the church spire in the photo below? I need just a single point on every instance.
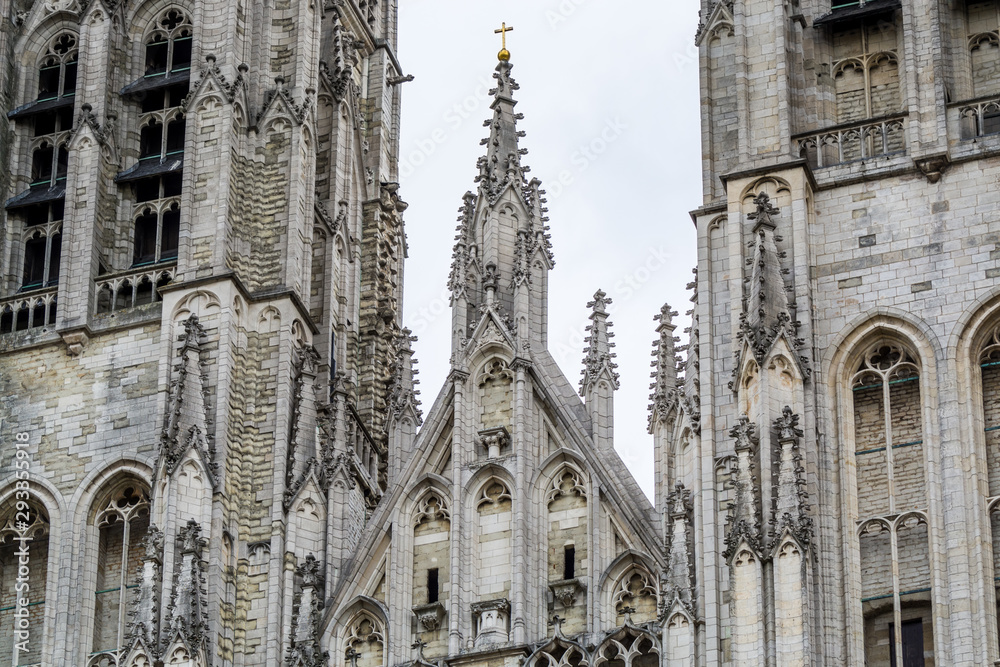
(502, 252)
(502, 163)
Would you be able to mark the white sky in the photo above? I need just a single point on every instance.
(609, 91)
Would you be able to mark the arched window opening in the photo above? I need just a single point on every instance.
(568, 539)
(431, 570)
(168, 46)
(629, 647)
(51, 118)
(636, 596)
(989, 365)
(57, 71)
(364, 645)
(155, 144)
(158, 176)
(157, 232)
(558, 653)
(22, 519)
(42, 250)
(888, 432)
(121, 525)
(891, 494)
(983, 41)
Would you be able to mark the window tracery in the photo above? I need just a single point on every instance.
(364, 645)
(157, 177)
(629, 647)
(636, 595)
(121, 523)
(891, 492)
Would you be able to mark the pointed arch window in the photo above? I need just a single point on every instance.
(57, 71)
(567, 536)
(121, 523)
(157, 177)
(891, 496)
(42, 247)
(364, 645)
(23, 519)
(169, 44)
(983, 41)
(989, 364)
(629, 647)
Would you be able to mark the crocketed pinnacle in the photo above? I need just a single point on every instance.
(663, 398)
(598, 359)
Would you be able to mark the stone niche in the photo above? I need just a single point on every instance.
(496, 394)
(492, 621)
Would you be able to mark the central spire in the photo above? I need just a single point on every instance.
(502, 252)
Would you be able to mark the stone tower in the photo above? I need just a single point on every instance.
(836, 417)
(200, 288)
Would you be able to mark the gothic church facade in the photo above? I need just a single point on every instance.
(223, 459)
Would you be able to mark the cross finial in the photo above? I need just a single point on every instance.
(504, 54)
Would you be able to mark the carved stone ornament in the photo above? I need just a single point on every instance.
(429, 616)
(566, 592)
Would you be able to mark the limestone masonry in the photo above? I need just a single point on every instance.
(213, 452)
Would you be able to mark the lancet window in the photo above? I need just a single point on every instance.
(121, 523)
(891, 497)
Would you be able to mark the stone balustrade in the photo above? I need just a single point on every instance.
(854, 141)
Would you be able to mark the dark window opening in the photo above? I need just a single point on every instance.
(182, 54)
(569, 563)
(913, 643)
(156, 58)
(41, 166)
(170, 233)
(147, 189)
(175, 136)
(432, 585)
(153, 100)
(54, 253)
(34, 263)
(62, 164)
(172, 185)
(53, 121)
(991, 122)
(48, 82)
(158, 187)
(151, 141)
(145, 238)
(69, 80)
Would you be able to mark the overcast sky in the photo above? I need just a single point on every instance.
(609, 93)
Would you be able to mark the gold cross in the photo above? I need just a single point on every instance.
(502, 31)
